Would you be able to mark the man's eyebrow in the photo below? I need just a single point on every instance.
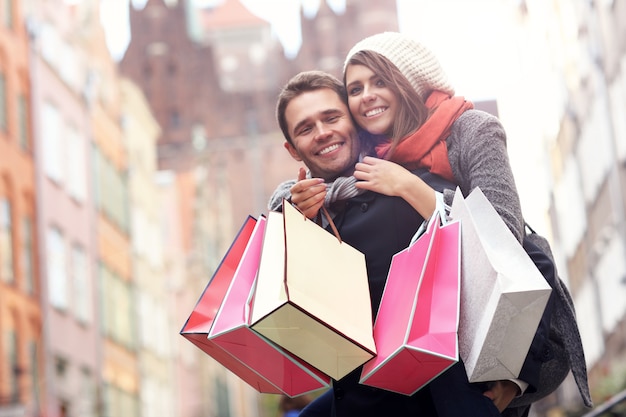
(327, 112)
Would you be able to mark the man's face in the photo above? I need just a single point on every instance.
(323, 134)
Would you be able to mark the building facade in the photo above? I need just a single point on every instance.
(588, 200)
(21, 318)
(569, 81)
(155, 354)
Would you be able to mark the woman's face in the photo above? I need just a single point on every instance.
(373, 105)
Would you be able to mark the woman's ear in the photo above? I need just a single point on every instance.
(292, 151)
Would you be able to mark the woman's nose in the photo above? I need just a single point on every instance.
(368, 94)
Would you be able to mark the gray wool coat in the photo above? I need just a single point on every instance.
(478, 157)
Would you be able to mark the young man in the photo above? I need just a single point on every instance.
(315, 120)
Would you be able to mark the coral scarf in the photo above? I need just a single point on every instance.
(426, 147)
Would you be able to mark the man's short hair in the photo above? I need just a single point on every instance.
(301, 83)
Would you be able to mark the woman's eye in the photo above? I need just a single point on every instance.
(355, 91)
(380, 83)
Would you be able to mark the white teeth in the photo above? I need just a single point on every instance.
(329, 149)
(375, 111)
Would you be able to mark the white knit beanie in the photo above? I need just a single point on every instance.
(418, 64)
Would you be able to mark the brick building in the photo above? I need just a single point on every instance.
(213, 89)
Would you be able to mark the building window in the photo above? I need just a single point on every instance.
(222, 398)
(13, 370)
(171, 69)
(117, 308)
(51, 44)
(33, 354)
(76, 165)
(119, 402)
(57, 269)
(111, 190)
(22, 122)
(28, 257)
(174, 119)
(3, 103)
(88, 399)
(69, 65)
(81, 285)
(7, 17)
(6, 241)
(52, 150)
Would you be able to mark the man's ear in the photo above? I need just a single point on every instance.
(292, 151)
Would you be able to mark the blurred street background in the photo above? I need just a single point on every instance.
(136, 137)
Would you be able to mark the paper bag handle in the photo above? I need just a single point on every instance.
(328, 217)
(332, 223)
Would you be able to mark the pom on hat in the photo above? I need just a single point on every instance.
(417, 63)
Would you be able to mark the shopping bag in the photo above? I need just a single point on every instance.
(197, 327)
(503, 294)
(417, 322)
(231, 332)
(312, 295)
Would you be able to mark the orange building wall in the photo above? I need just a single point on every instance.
(19, 311)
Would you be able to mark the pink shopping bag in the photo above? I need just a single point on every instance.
(232, 332)
(417, 322)
(203, 317)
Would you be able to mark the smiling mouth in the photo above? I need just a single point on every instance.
(375, 112)
(329, 149)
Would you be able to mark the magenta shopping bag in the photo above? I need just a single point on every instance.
(417, 322)
(218, 324)
(231, 331)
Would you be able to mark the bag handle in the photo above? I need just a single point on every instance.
(326, 214)
(440, 214)
(332, 223)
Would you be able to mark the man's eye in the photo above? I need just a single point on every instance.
(332, 119)
(303, 131)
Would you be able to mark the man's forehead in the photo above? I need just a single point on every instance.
(315, 103)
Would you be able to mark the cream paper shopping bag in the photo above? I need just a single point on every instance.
(503, 294)
(312, 295)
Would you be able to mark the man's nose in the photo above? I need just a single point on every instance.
(322, 131)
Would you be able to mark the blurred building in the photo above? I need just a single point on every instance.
(155, 329)
(83, 216)
(572, 122)
(588, 166)
(21, 314)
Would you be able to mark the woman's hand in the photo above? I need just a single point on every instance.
(383, 177)
(391, 179)
(502, 393)
(308, 194)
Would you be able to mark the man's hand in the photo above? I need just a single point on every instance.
(502, 393)
(308, 194)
